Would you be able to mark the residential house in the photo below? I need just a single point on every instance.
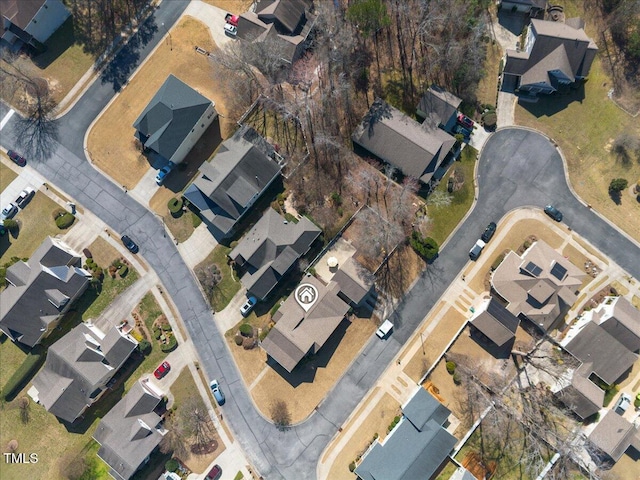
(496, 323)
(174, 120)
(233, 180)
(284, 23)
(130, 431)
(541, 285)
(621, 320)
(40, 291)
(439, 108)
(304, 322)
(270, 249)
(614, 435)
(555, 54)
(78, 368)
(533, 7)
(416, 448)
(579, 393)
(356, 284)
(31, 21)
(416, 150)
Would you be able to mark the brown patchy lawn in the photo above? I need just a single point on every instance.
(308, 385)
(376, 422)
(232, 6)
(36, 223)
(586, 143)
(487, 91)
(181, 227)
(6, 174)
(111, 141)
(403, 268)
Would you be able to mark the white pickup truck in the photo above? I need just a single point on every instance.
(384, 329)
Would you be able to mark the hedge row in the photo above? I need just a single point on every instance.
(169, 347)
(22, 375)
(65, 220)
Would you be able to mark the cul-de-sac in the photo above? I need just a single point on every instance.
(320, 239)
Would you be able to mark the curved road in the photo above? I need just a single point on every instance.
(517, 168)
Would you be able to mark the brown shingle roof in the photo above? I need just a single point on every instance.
(497, 323)
(20, 12)
(613, 435)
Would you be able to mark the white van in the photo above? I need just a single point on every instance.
(384, 329)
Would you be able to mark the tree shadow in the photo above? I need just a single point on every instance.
(548, 105)
(36, 137)
(117, 72)
(616, 197)
(57, 44)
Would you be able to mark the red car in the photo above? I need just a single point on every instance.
(162, 370)
(17, 158)
(465, 121)
(215, 473)
(232, 19)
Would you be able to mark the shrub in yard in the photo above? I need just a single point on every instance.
(10, 224)
(157, 333)
(195, 220)
(175, 206)
(426, 247)
(618, 184)
(172, 465)
(263, 334)
(490, 119)
(137, 335)
(123, 270)
(170, 345)
(248, 343)
(65, 220)
(496, 263)
(636, 402)
(456, 378)
(23, 374)
(451, 367)
(246, 330)
(274, 309)
(238, 339)
(144, 346)
(352, 466)
(166, 327)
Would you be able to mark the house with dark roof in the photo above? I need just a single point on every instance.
(416, 448)
(304, 322)
(439, 108)
(541, 285)
(495, 322)
(417, 150)
(31, 22)
(621, 320)
(228, 186)
(286, 24)
(78, 368)
(580, 394)
(523, 6)
(39, 292)
(356, 283)
(614, 435)
(174, 120)
(270, 249)
(556, 54)
(130, 431)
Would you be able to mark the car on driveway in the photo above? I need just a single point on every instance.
(246, 308)
(217, 393)
(214, 474)
(162, 370)
(130, 244)
(25, 197)
(488, 232)
(553, 212)
(476, 250)
(465, 121)
(623, 404)
(17, 158)
(164, 171)
(8, 211)
(232, 19)
(230, 30)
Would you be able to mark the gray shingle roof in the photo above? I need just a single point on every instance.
(355, 281)
(582, 396)
(35, 297)
(76, 367)
(232, 180)
(497, 323)
(20, 12)
(610, 359)
(624, 324)
(410, 452)
(127, 434)
(170, 116)
(289, 14)
(417, 150)
(613, 435)
(270, 249)
(439, 105)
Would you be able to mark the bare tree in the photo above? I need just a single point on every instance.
(439, 199)
(209, 277)
(196, 420)
(280, 414)
(175, 440)
(626, 146)
(24, 405)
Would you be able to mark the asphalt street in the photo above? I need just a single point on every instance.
(517, 168)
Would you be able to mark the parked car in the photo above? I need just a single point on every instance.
(232, 19)
(464, 131)
(476, 250)
(623, 404)
(163, 172)
(230, 30)
(17, 158)
(215, 473)
(553, 212)
(246, 308)
(384, 329)
(9, 211)
(465, 121)
(162, 370)
(217, 393)
(130, 244)
(25, 197)
(488, 232)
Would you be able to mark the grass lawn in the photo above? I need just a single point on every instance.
(375, 422)
(181, 227)
(586, 143)
(229, 285)
(445, 219)
(11, 357)
(111, 141)
(36, 223)
(487, 91)
(6, 175)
